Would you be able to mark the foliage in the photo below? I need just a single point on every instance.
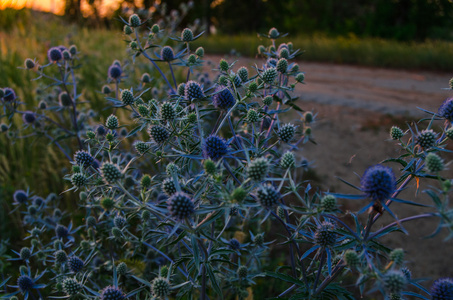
(178, 181)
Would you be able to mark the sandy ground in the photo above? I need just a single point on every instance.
(356, 106)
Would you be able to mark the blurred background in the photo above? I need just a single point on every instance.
(368, 64)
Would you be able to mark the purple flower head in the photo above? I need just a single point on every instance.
(223, 99)
(9, 94)
(61, 231)
(112, 293)
(180, 205)
(442, 289)
(54, 54)
(25, 283)
(446, 109)
(193, 90)
(115, 71)
(215, 147)
(378, 183)
(29, 117)
(20, 197)
(167, 53)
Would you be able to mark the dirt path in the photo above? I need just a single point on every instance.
(356, 106)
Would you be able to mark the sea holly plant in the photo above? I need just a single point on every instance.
(178, 185)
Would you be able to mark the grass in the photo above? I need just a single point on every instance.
(429, 55)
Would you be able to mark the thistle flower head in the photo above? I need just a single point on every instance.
(242, 272)
(160, 287)
(121, 269)
(71, 286)
(234, 244)
(180, 206)
(243, 74)
(110, 172)
(20, 197)
(167, 54)
(29, 63)
(257, 169)
(273, 33)
(119, 221)
(127, 97)
(112, 293)
(269, 75)
(25, 253)
(61, 257)
(223, 98)
(167, 111)
(282, 65)
(288, 160)
(134, 20)
(446, 110)
(267, 196)
(427, 138)
(442, 289)
(200, 51)
(158, 133)
(351, 258)
(193, 90)
(9, 95)
(378, 183)
(187, 35)
(54, 54)
(396, 133)
(61, 231)
(83, 158)
(300, 77)
(75, 264)
(169, 186)
(325, 234)
(328, 203)
(25, 283)
(215, 147)
(286, 132)
(112, 122)
(434, 163)
(78, 179)
(394, 281)
(115, 71)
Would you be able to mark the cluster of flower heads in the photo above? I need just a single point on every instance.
(163, 213)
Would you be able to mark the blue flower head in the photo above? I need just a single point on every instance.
(9, 94)
(378, 183)
(54, 54)
(112, 293)
(25, 283)
(215, 147)
(223, 99)
(442, 289)
(28, 117)
(115, 71)
(20, 197)
(446, 109)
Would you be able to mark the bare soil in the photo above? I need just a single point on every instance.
(356, 107)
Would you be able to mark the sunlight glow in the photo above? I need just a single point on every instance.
(57, 6)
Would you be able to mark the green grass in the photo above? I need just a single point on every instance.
(429, 55)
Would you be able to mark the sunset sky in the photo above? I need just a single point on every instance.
(54, 6)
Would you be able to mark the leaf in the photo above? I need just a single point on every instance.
(196, 252)
(286, 278)
(214, 282)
